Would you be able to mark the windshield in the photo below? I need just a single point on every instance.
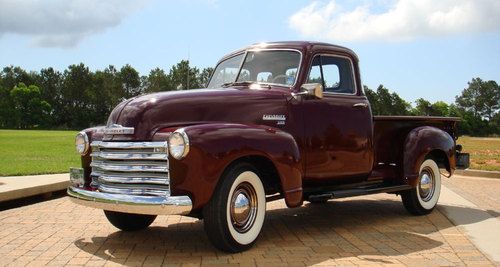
(268, 66)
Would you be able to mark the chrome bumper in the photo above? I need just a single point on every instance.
(150, 205)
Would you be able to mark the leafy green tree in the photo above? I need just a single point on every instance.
(50, 83)
(204, 76)
(480, 97)
(12, 76)
(77, 90)
(131, 82)
(8, 116)
(157, 81)
(31, 110)
(105, 94)
(422, 107)
(385, 103)
(440, 108)
(184, 77)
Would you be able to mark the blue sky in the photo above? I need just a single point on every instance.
(416, 48)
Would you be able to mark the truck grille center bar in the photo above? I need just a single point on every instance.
(132, 168)
(131, 177)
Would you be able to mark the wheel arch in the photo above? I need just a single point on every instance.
(266, 170)
(427, 142)
(215, 147)
(439, 156)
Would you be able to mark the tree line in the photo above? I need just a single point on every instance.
(477, 106)
(77, 97)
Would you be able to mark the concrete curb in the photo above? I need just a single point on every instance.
(16, 187)
(478, 173)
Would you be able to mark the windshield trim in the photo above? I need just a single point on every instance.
(245, 52)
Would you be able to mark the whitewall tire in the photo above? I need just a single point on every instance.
(424, 197)
(234, 216)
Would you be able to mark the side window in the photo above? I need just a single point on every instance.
(334, 73)
(315, 73)
(337, 75)
(331, 76)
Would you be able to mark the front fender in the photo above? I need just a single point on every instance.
(214, 146)
(419, 143)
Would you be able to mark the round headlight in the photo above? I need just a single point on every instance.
(178, 144)
(82, 143)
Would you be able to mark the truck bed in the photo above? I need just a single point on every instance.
(389, 134)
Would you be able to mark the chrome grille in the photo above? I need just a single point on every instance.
(131, 168)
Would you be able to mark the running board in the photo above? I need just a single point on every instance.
(357, 192)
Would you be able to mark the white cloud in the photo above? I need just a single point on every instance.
(403, 20)
(62, 23)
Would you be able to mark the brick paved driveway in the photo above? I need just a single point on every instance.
(370, 230)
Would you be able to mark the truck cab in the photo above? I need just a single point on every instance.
(277, 120)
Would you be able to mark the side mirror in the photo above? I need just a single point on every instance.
(311, 89)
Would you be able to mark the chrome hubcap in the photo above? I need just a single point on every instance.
(426, 185)
(243, 208)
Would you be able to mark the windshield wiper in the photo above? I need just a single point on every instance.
(237, 83)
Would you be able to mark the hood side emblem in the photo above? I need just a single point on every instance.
(118, 129)
(274, 117)
(280, 119)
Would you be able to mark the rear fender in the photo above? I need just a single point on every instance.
(213, 147)
(419, 143)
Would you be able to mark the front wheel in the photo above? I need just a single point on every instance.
(422, 199)
(234, 216)
(129, 221)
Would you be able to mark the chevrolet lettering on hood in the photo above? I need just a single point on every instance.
(118, 129)
(274, 117)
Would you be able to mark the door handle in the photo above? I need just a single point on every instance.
(360, 105)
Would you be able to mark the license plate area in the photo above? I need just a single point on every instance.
(76, 177)
(462, 161)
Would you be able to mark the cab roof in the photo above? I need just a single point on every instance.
(297, 45)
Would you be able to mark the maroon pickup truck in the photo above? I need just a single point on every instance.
(277, 120)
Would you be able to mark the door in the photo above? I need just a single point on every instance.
(338, 127)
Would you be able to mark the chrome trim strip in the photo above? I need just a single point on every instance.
(139, 190)
(130, 156)
(129, 175)
(127, 167)
(151, 205)
(129, 145)
(133, 180)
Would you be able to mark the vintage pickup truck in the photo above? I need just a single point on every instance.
(277, 120)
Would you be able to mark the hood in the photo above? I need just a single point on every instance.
(151, 113)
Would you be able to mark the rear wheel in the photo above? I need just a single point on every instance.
(129, 221)
(422, 199)
(234, 216)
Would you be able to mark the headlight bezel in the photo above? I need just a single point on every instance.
(179, 133)
(82, 136)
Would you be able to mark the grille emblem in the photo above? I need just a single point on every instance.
(118, 129)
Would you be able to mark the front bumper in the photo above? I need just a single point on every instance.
(150, 205)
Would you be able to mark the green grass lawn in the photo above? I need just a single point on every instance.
(484, 152)
(24, 152)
